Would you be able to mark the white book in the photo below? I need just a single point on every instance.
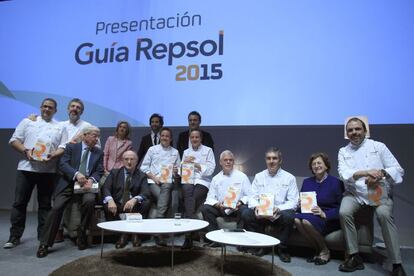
(166, 173)
(231, 198)
(187, 173)
(307, 201)
(77, 189)
(266, 202)
(40, 150)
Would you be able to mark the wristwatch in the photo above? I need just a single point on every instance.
(384, 172)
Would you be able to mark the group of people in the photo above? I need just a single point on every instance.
(132, 181)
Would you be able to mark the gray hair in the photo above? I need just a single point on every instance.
(226, 152)
(90, 129)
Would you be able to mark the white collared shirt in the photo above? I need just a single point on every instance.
(368, 155)
(205, 157)
(152, 137)
(220, 184)
(282, 185)
(71, 130)
(158, 156)
(29, 132)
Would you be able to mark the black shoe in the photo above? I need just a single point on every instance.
(284, 256)
(320, 261)
(311, 259)
(81, 240)
(398, 270)
(136, 241)
(12, 242)
(352, 264)
(42, 251)
(122, 242)
(188, 243)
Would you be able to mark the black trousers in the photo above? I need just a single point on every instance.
(285, 222)
(25, 182)
(194, 196)
(87, 205)
(142, 208)
(210, 213)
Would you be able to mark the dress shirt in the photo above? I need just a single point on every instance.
(368, 155)
(156, 157)
(282, 185)
(71, 130)
(221, 182)
(205, 157)
(28, 133)
(113, 151)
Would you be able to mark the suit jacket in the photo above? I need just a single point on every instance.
(146, 143)
(114, 185)
(182, 143)
(70, 161)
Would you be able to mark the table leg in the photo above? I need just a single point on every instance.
(172, 253)
(273, 257)
(102, 239)
(222, 259)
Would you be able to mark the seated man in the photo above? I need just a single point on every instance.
(81, 163)
(366, 165)
(126, 191)
(281, 185)
(229, 187)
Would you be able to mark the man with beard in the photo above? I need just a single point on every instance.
(28, 137)
(151, 139)
(365, 165)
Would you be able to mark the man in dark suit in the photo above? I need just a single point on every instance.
(194, 121)
(126, 191)
(156, 122)
(81, 163)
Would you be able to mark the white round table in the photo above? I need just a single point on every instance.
(246, 238)
(153, 227)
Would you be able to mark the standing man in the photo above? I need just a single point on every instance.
(363, 165)
(194, 121)
(28, 136)
(156, 122)
(81, 163)
(228, 185)
(281, 185)
(126, 191)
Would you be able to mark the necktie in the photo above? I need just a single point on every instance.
(155, 139)
(84, 161)
(125, 194)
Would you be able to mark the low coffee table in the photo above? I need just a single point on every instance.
(153, 227)
(246, 239)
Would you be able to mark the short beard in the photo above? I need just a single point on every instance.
(73, 118)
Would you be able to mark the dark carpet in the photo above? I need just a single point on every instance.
(153, 260)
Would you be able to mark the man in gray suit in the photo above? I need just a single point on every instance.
(81, 163)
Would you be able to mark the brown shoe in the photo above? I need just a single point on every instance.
(59, 236)
(122, 242)
(136, 241)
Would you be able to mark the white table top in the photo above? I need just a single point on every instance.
(246, 238)
(154, 226)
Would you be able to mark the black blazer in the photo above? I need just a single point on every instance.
(146, 143)
(70, 161)
(182, 143)
(114, 185)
